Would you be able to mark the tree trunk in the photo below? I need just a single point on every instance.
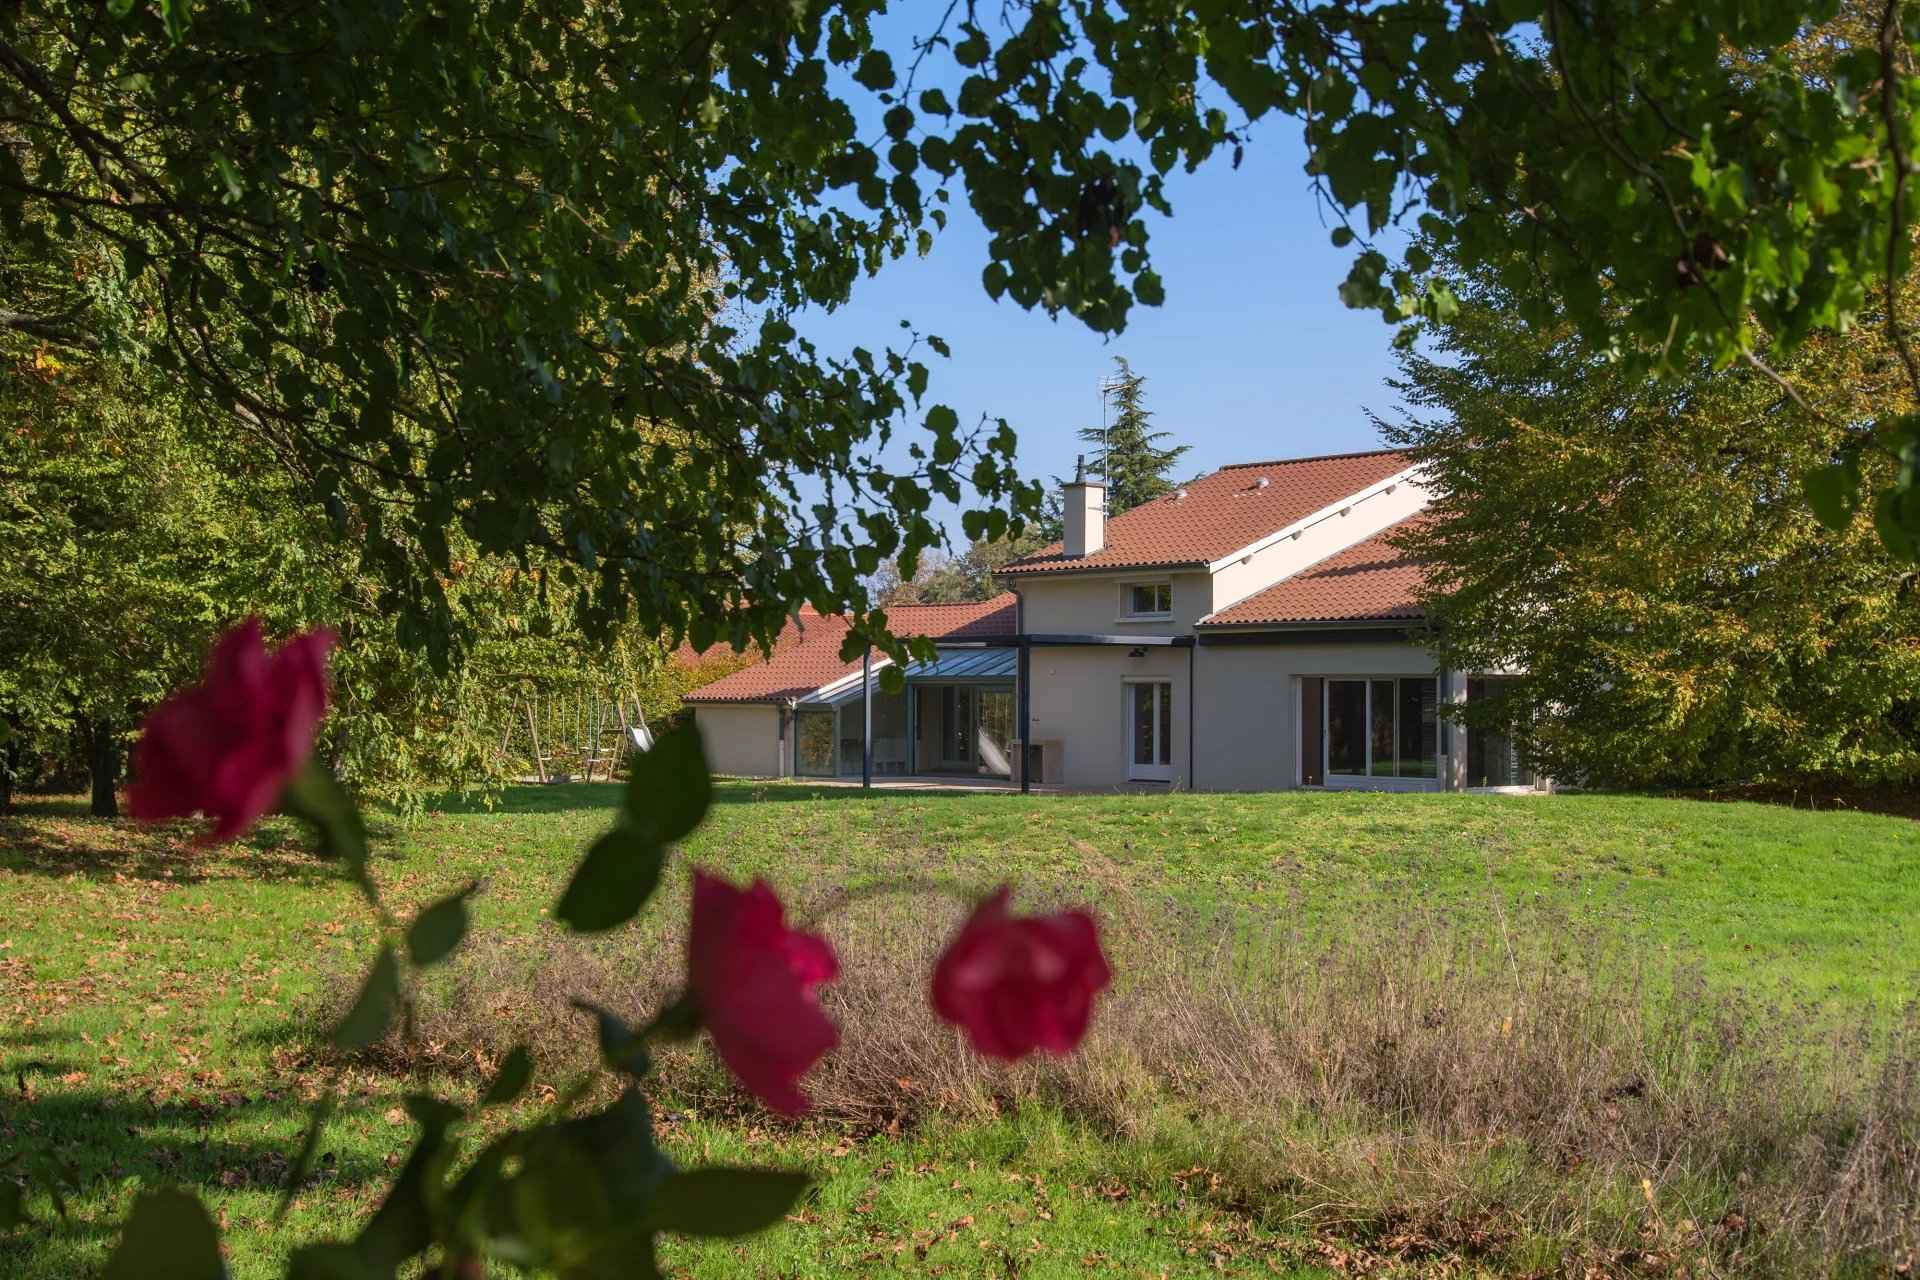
(103, 762)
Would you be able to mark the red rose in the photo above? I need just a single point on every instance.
(1020, 983)
(755, 980)
(227, 746)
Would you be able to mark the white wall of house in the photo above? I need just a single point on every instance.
(742, 739)
(1312, 540)
(1248, 734)
(1095, 604)
(1079, 702)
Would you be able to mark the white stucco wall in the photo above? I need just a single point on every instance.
(1079, 701)
(741, 740)
(1093, 604)
(1249, 728)
(1329, 532)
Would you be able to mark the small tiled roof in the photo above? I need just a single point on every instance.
(1222, 512)
(977, 620)
(807, 653)
(1371, 581)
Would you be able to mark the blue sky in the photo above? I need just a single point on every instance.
(1252, 356)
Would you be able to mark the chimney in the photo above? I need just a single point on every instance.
(1086, 512)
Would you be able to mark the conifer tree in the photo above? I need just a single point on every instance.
(1128, 454)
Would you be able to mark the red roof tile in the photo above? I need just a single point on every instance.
(807, 653)
(975, 620)
(1222, 512)
(1371, 581)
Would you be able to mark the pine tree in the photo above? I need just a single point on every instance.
(1129, 455)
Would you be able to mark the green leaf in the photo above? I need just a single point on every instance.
(680, 1020)
(1834, 493)
(373, 1008)
(515, 1073)
(582, 1190)
(612, 883)
(229, 174)
(725, 1203)
(169, 1235)
(438, 930)
(620, 1047)
(331, 1260)
(973, 50)
(668, 787)
(176, 16)
(402, 1227)
(303, 1162)
(13, 1204)
(317, 796)
(1897, 518)
(875, 70)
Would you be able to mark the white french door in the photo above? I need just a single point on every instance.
(1149, 709)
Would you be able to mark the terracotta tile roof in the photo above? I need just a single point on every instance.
(976, 620)
(807, 653)
(1222, 512)
(1371, 581)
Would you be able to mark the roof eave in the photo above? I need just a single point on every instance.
(1092, 570)
(1316, 624)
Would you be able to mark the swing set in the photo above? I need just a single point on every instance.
(573, 733)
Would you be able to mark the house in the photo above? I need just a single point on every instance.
(1254, 630)
(803, 711)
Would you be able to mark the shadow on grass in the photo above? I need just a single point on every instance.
(42, 839)
(19, 1062)
(559, 797)
(746, 791)
(596, 797)
(106, 1139)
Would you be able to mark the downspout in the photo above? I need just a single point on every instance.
(1192, 715)
(786, 706)
(866, 718)
(1023, 671)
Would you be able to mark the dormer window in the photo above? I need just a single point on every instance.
(1146, 601)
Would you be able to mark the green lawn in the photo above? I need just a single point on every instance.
(151, 991)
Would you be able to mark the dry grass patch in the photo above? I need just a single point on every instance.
(1536, 1097)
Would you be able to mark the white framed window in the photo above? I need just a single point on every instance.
(1149, 727)
(1146, 600)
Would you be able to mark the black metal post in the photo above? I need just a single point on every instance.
(1022, 677)
(1193, 769)
(866, 717)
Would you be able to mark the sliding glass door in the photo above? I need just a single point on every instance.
(962, 728)
(1382, 728)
